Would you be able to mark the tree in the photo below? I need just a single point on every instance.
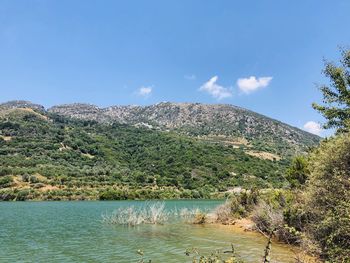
(336, 96)
(328, 202)
(297, 173)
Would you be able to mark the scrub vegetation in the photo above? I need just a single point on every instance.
(50, 157)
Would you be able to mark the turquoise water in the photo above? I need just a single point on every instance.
(74, 232)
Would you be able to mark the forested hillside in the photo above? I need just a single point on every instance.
(47, 156)
(222, 122)
(53, 156)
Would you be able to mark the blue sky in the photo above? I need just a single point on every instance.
(266, 55)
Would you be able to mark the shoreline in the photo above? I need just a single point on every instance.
(246, 226)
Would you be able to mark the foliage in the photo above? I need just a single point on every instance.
(236, 206)
(221, 123)
(336, 97)
(328, 202)
(297, 173)
(199, 218)
(88, 160)
(5, 181)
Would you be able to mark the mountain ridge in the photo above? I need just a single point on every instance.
(194, 119)
(29, 104)
(165, 150)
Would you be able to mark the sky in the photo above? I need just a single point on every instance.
(266, 56)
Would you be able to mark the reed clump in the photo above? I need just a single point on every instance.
(154, 212)
(149, 213)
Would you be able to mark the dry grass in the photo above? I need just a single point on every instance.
(154, 213)
(21, 112)
(264, 155)
(223, 214)
(150, 213)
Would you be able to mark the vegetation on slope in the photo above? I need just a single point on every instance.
(46, 156)
(211, 121)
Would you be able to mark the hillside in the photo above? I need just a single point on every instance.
(222, 122)
(76, 155)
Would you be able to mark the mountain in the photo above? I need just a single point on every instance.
(166, 150)
(15, 104)
(226, 123)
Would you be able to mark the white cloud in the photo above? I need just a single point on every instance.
(190, 77)
(215, 90)
(313, 127)
(144, 91)
(251, 84)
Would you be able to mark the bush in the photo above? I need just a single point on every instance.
(328, 202)
(6, 181)
(298, 172)
(199, 218)
(33, 179)
(23, 195)
(111, 194)
(271, 220)
(266, 218)
(7, 195)
(5, 171)
(25, 177)
(223, 213)
(242, 204)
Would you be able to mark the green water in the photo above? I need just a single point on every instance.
(73, 232)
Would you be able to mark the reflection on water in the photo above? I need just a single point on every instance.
(73, 232)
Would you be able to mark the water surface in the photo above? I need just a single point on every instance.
(73, 232)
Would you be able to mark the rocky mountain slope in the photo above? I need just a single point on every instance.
(213, 122)
(47, 156)
(218, 121)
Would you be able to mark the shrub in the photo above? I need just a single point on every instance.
(7, 195)
(242, 204)
(111, 194)
(199, 218)
(266, 218)
(223, 213)
(328, 202)
(298, 172)
(23, 195)
(6, 181)
(25, 177)
(33, 179)
(5, 171)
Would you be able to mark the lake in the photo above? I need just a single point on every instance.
(74, 232)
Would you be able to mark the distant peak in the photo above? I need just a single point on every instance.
(22, 104)
(76, 104)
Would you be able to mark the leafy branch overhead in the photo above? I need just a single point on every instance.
(336, 95)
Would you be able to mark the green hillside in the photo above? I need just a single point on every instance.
(47, 156)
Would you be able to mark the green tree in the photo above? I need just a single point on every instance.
(298, 172)
(328, 202)
(336, 96)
